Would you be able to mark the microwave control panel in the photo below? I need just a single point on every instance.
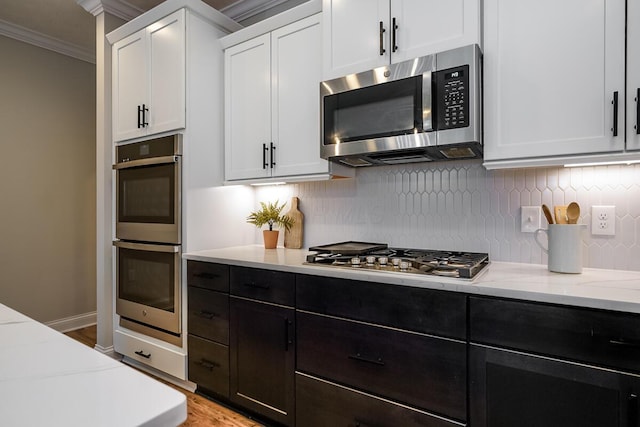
(452, 92)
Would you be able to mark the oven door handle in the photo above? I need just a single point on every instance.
(146, 247)
(146, 162)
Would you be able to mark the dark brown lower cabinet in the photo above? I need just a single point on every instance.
(509, 388)
(320, 403)
(262, 361)
(209, 366)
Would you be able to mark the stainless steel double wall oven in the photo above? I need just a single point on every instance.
(149, 236)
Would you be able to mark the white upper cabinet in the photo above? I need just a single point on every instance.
(365, 34)
(552, 71)
(633, 75)
(248, 109)
(149, 79)
(272, 107)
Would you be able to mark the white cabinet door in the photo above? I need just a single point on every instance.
(167, 77)
(129, 85)
(550, 72)
(352, 40)
(149, 74)
(430, 26)
(296, 74)
(633, 75)
(248, 109)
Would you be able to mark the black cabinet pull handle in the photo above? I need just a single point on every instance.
(287, 335)
(264, 156)
(272, 154)
(145, 123)
(141, 353)
(207, 364)
(139, 117)
(614, 129)
(637, 126)
(207, 314)
(632, 402)
(255, 285)
(206, 275)
(382, 31)
(621, 342)
(393, 36)
(362, 358)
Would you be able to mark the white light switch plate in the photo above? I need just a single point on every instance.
(530, 218)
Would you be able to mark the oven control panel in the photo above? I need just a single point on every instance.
(452, 92)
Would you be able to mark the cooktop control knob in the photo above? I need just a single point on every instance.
(355, 262)
(396, 262)
(371, 260)
(383, 260)
(404, 265)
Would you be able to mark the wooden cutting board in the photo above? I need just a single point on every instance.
(293, 236)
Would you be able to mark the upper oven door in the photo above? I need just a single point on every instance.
(148, 200)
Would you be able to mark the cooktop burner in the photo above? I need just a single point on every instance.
(378, 256)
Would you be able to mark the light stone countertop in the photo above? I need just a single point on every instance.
(595, 288)
(49, 379)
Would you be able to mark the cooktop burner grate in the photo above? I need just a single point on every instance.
(377, 256)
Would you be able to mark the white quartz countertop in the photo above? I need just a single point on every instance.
(49, 379)
(595, 288)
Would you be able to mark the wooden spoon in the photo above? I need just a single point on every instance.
(547, 213)
(573, 213)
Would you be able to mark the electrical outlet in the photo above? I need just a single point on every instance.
(530, 218)
(603, 220)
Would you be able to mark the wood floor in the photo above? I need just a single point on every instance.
(201, 412)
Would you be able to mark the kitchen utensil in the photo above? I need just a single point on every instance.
(573, 213)
(547, 213)
(560, 214)
(293, 236)
(564, 247)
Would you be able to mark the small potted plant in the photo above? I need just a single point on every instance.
(270, 213)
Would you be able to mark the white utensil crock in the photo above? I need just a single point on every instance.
(564, 247)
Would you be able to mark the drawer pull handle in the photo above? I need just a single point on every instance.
(141, 353)
(207, 314)
(207, 364)
(256, 285)
(362, 358)
(621, 342)
(206, 275)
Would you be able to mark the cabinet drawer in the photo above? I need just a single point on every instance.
(209, 314)
(264, 285)
(164, 359)
(404, 307)
(209, 365)
(600, 337)
(208, 275)
(422, 371)
(321, 403)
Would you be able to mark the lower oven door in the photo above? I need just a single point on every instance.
(148, 284)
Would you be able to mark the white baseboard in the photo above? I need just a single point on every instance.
(74, 322)
(109, 351)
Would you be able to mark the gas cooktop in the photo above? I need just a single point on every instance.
(380, 257)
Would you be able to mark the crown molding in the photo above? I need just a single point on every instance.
(44, 41)
(119, 8)
(244, 9)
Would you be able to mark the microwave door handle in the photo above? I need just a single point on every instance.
(427, 102)
(146, 162)
(146, 247)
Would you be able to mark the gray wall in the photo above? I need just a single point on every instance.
(47, 182)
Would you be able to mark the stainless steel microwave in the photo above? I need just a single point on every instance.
(424, 109)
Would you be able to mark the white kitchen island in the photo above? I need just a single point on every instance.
(49, 379)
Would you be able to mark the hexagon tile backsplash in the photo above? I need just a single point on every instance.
(462, 206)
